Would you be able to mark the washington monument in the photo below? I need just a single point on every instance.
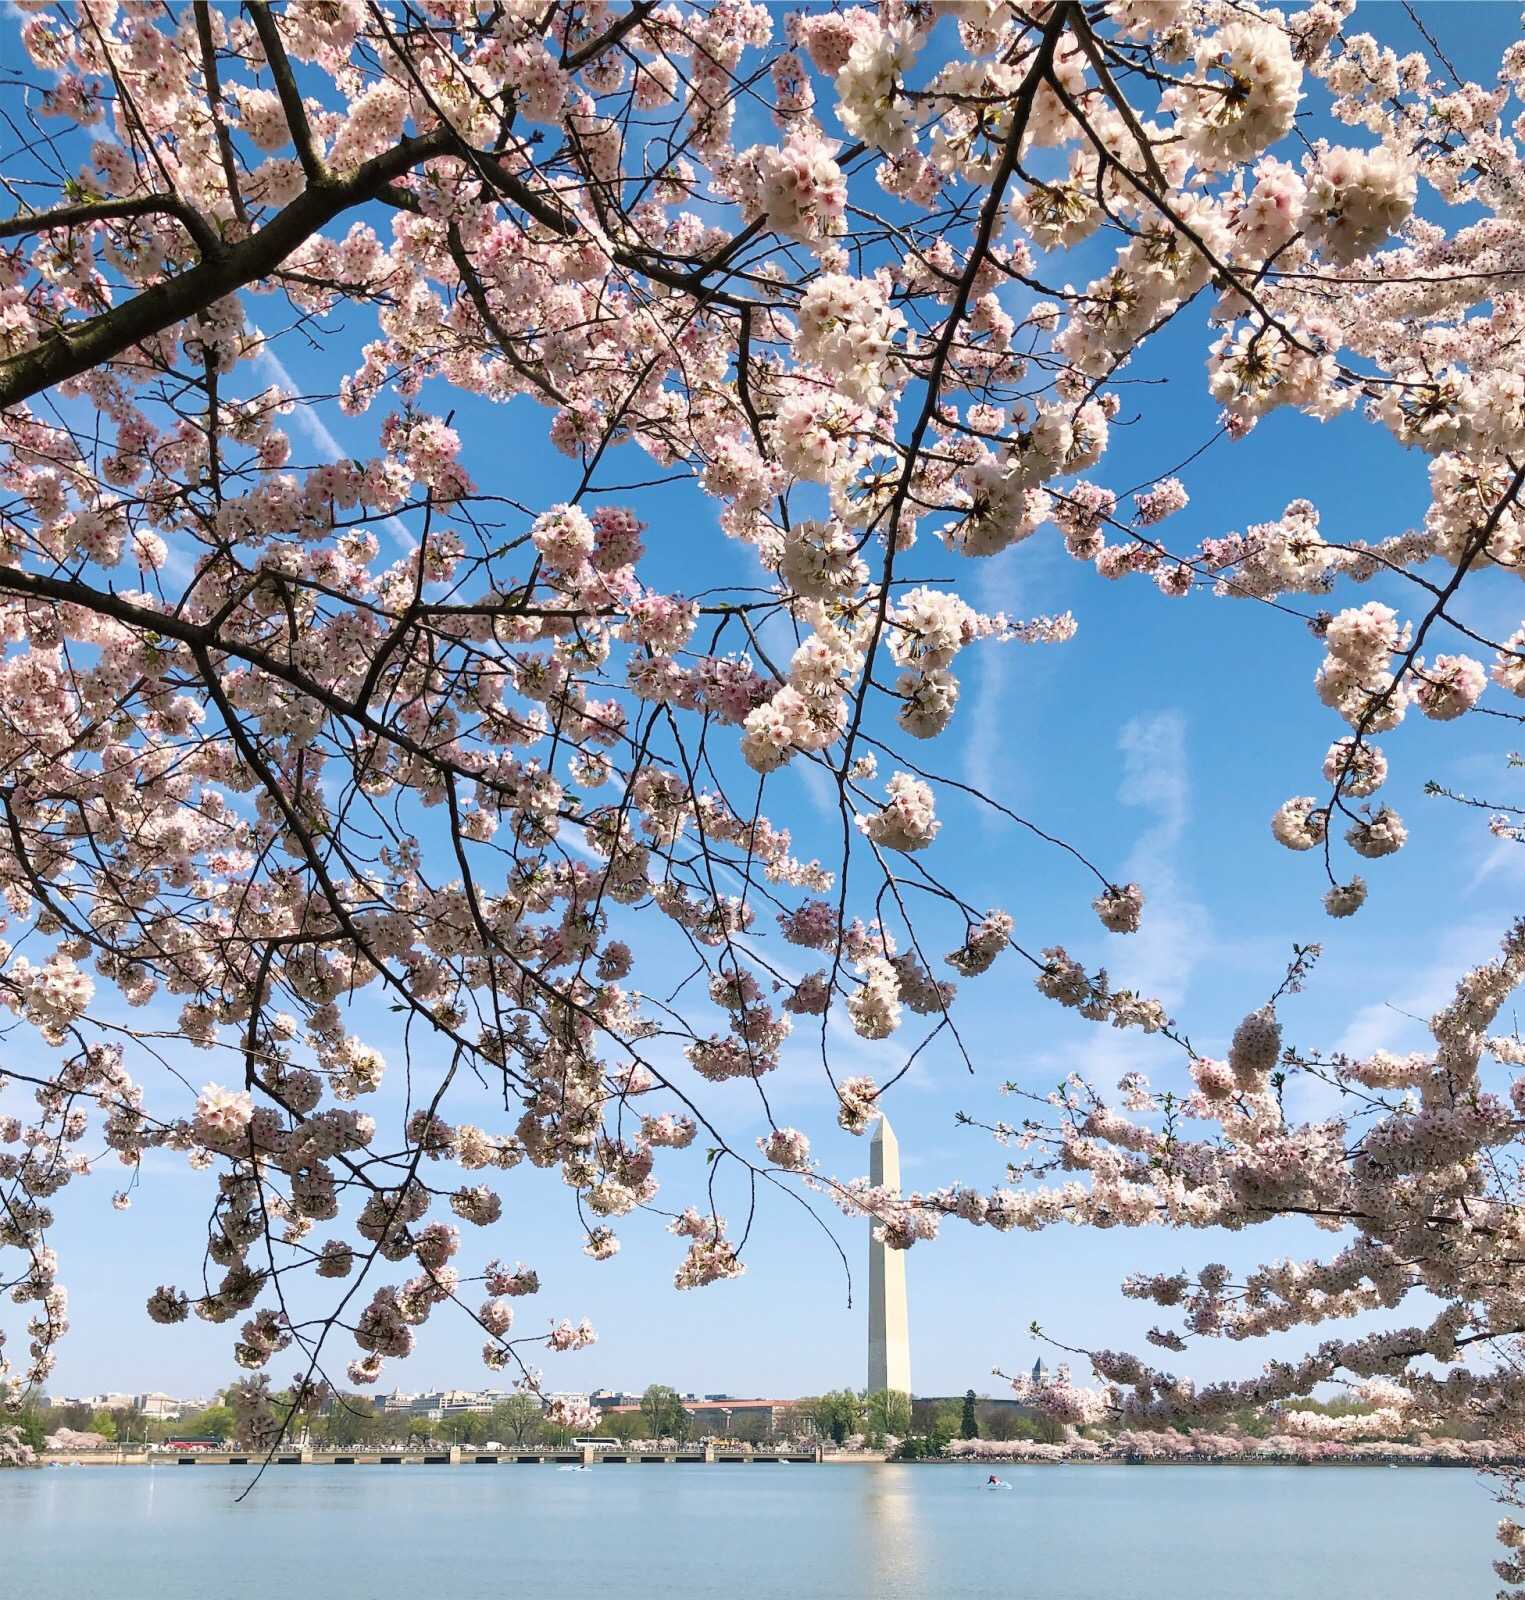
(889, 1334)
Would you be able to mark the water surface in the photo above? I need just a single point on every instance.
(747, 1533)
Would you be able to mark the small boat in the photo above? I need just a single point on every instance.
(575, 1469)
(997, 1483)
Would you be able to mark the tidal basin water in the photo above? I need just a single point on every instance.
(758, 1532)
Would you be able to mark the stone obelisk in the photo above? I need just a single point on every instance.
(889, 1332)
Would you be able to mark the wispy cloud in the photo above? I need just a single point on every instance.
(1399, 1022)
(310, 424)
(820, 787)
(1160, 959)
(778, 636)
(998, 707)
(1162, 955)
(1502, 861)
(986, 723)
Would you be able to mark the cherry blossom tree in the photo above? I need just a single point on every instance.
(354, 768)
(14, 1450)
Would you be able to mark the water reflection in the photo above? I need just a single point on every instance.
(892, 1539)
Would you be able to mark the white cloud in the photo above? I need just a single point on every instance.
(1002, 682)
(1502, 860)
(1373, 1027)
(778, 636)
(1162, 955)
(821, 788)
(1400, 1021)
(310, 424)
(1160, 958)
(987, 721)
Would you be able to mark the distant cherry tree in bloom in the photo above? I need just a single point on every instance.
(357, 768)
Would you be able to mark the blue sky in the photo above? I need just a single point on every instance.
(1159, 741)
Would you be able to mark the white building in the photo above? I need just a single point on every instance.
(111, 1401)
(160, 1406)
(570, 1398)
(434, 1404)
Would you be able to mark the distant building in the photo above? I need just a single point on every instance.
(433, 1405)
(481, 1401)
(436, 1404)
(612, 1399)
(1040, 1372)
(569, 1397)
(161, 1407)
(710, 1416)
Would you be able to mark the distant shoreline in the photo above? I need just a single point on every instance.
(1197, 1461)
(215, 1461)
